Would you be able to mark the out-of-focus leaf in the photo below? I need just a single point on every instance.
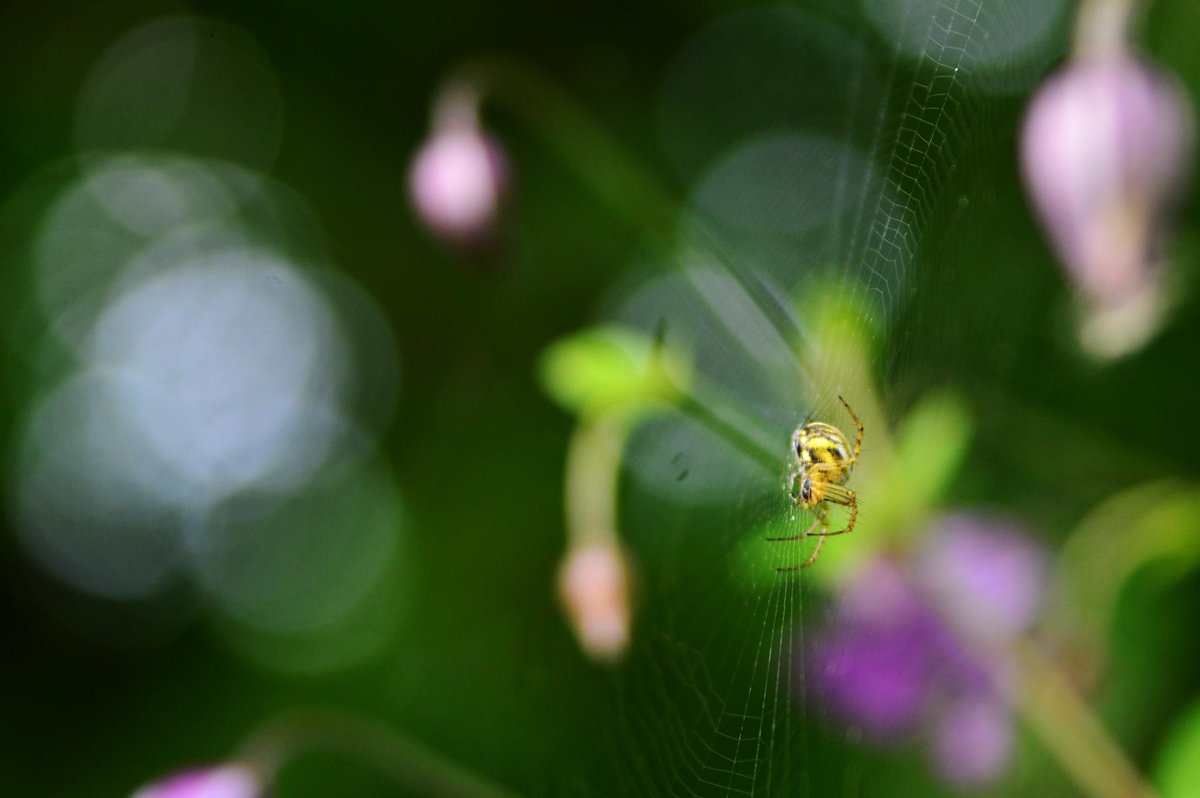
(1177, 773)
(930, 445)
(610, 368)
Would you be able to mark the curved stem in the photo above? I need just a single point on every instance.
(401, 758)
(630, 192)
(593, 467)
(700, 412)
(1069, 728)
(1102, 28)
(565, 128)
(1034, 685)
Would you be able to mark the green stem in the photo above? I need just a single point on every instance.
(566, 129)
(1102, 28)
(1042, 694)
(398, 756)
(692, 407)
(593, 468)
(630, 192)
(1069, 728)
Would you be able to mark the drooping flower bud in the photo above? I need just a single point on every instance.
(224, 781)
(594, 586)
(1105, 151)
(459, 178)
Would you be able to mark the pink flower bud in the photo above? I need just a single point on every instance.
(1106, 149)
(458, 180)
(226, 781)
(594, 585)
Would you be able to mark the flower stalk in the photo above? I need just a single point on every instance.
(568, 131)
(1069, 728)
(402, 759)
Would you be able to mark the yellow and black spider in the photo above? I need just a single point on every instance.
(823, 464)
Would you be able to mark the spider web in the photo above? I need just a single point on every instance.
(831, 160)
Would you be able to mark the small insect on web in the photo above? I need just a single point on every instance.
(823, 461)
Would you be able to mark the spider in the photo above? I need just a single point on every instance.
(823, 464)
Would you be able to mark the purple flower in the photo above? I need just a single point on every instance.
(874, 665)
(458, 179)
(984, 573)
(902, 652)
(225, 781)
(1105, 151)
(971, 740)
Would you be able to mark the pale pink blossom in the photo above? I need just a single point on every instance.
(224, 781)
(594, 586)
(1105, 152)
(458, 183)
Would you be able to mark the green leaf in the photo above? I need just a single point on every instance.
(930, 445)
(1178, 769)
(611, 368)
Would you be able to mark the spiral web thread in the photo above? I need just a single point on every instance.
(713, 698)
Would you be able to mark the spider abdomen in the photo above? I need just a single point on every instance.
(824, 447)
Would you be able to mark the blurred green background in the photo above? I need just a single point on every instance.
(476, 661)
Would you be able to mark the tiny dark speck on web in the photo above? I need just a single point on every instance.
(682, 475)
(678, 456)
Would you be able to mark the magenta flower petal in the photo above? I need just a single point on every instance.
(874, 679)
(880, 595)
(890, 662)
(985, 574)
(883, 654)
(227, 781)
(971, 741)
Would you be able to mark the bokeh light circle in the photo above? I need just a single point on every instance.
(183, 83)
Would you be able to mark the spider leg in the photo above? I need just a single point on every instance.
(857, 423)
(807, 533)
(840, 495)
(816, 552)
(848, 498)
